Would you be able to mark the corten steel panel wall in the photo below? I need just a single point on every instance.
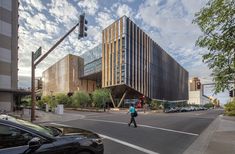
(132, 58)
(63, 77)
(56, 78)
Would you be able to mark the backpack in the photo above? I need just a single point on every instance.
(135, 114)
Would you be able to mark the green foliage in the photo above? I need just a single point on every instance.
(63, 99)
(155, 105)
(50, 100)
(26, 101)
(100, 97)
(216, 21)
(40, 103)
(81, 99)
(208, 105)
(230, 108)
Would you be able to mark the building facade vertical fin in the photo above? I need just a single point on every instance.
(121, 32)
(113, 57)
(116, 52)
(103, 49)
(108, 59)
(138, 57)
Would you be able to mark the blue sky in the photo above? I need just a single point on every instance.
(168, 22)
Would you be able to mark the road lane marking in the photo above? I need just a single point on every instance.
(170, 130)
(58, 124)
(145, 126)
(128, 144)
(107, 115)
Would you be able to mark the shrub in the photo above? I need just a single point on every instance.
(81, 99)
(26, 101)
(63, 99)
(100, 97)
(40, 103)
(155, 105)
(230, 108)
(209, 105)
(50, 100)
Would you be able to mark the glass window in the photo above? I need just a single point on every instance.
(13, 137)
(6, 4)
(5, 81)
(5, 28)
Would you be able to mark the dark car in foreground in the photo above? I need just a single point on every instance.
(18, 136)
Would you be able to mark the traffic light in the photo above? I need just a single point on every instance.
(69, 94)
(198, 85)
(38, 98)
(231, 93)
(82, 26)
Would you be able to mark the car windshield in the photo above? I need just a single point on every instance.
(28, 124)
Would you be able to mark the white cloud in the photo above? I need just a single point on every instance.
(124, 9)
(64, 13)
(193, 6)
(90, 6)
(172, 24)
(37, 4)
(104, 19)
(96, 33)
(129, 1)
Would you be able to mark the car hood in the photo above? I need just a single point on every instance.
(71, 131)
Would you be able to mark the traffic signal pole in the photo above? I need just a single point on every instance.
(33, 89)
(54, 46)
(34, 67)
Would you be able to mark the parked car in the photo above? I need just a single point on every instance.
(18, 136)
(170, 110)
(184, 109)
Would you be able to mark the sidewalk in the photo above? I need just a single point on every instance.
(218, 138)
(43, 117)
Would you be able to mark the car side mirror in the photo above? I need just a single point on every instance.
(34, 143)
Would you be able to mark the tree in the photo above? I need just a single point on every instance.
(81, 99)
(100, 97)
(216, 21)
(230, 108)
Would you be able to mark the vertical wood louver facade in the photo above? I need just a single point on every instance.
(131, 58)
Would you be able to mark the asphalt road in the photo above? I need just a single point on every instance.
(162, 133)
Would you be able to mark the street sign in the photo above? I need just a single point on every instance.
(37, 53)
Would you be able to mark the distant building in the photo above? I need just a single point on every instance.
(195, 93)
(8, 53)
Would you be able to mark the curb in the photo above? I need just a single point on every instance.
(200, 145)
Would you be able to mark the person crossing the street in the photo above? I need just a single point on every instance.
(133, 115)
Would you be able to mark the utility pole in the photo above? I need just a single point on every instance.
(82, 33)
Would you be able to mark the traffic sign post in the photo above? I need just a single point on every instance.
(37, 54)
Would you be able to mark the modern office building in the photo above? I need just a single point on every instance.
(128, 62)
(8, 53)
(133, 65)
